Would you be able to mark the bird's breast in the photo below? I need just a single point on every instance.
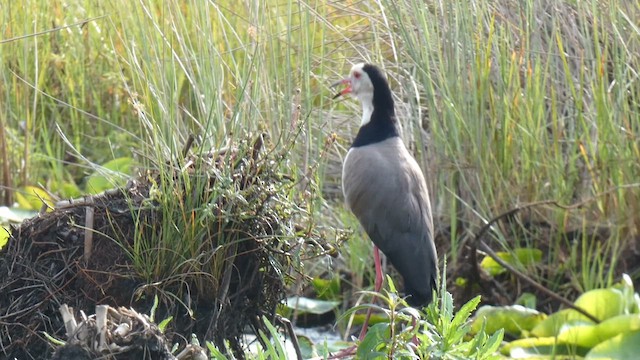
(378, 174)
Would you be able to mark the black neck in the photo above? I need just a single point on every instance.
(383, 125)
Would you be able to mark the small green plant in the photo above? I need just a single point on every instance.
(436, 332)
(447, 334)
(214, 352)
(392, 338)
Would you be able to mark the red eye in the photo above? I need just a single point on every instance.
(356, 75)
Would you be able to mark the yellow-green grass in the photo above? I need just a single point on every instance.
(521, 103)
(528, 102)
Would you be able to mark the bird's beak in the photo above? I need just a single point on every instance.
(346, 90)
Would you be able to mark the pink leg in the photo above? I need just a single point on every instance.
(378, 265)
(377, 287)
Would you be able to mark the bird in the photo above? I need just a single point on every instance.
(386, 190)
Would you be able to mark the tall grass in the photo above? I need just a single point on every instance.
(526, 102)
(520, 102)
(122, 79)
(211, 68)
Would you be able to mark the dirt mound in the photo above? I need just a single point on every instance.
(212, 244)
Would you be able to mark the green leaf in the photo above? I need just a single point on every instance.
(274, 343)
(550, 327)
(307, 347)
(358, 319)
(31, 198)
(513, 319)
(494, 341)
(527, 300)
(446, 309)
(311, 306)
(535, 347)
(377, 335)
(4, 236)
(327, 289)
(458, 324)
(330, 347)
(483, 347)
(214, 351)
(585, 335)
(602, 303)
(66, 189)
(15, 215)
(465, 311)
(524, 256)
(112, 174)
(623, 346)
(590, 335)
(618, 325)
(391, 285)
(164, 323)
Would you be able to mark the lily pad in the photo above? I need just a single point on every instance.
(327, 289)
(551, 326)
(15, 215)
(4, 236)
(32, 197)
(623, 346)
(580, 334)
(522, 256)
(513, 319)
(540, 348)
(311, 306)
(112, 174)
(602, 303)
(618, 325)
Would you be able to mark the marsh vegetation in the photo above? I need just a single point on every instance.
(525, 117)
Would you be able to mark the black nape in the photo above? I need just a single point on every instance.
(383, 123)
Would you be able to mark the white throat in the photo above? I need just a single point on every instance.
(367, 108)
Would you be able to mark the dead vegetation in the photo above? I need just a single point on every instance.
(119, 333)
(234, 264)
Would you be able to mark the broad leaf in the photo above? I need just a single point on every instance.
(579, 334)
(377, 336)
(4, 236)
(327, 289)
(602, 303)
(15, 215)
(513, 319)
(112, 174)
(535, 347)
(553, 323)
(311, 306)
(618, 325)
(522, 256)
(623, 346)
(31, 198)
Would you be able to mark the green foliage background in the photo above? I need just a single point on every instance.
(505, 103)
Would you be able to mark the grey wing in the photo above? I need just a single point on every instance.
(404, 232)
(395, 212)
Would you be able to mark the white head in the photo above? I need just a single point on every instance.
(359, 84)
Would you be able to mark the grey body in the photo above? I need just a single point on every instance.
(386, 190)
